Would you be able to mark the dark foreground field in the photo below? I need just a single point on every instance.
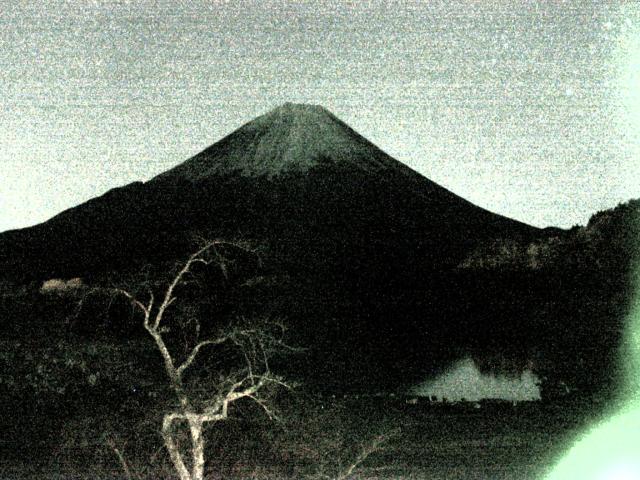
(317, 437)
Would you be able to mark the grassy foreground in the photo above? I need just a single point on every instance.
(316, 437)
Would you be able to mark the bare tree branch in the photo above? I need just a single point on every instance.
(254, 344)
(192, 356)
(371, 447)
(137, 303)
(121, 458)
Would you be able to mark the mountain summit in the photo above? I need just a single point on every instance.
(290, 138)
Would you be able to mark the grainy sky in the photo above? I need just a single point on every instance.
(528, 108)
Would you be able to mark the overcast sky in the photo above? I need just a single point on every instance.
(527, 108)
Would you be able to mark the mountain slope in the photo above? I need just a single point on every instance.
(297, 167)
(369, 246)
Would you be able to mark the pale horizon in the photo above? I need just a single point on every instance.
(528, 110)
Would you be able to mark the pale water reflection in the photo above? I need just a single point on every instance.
(464, 381)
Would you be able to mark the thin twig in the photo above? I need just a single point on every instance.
(121, 459)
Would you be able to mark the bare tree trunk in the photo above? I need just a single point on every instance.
(197, 447)
(195, 422)
(246, 386)
(174, 452)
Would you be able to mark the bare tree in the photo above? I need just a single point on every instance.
(254, 344)
(327, 438)
(372, 446)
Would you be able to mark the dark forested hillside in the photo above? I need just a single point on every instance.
(572, 292)
(382, 275)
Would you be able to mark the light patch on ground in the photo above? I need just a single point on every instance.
(464, 381)
(610, 451)
(58, 285)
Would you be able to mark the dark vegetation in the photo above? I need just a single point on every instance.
(571, 293)
(79, 375)
(381, 275)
